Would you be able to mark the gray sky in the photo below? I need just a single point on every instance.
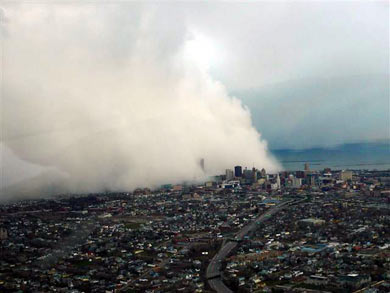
(313, 73)
(97, 90)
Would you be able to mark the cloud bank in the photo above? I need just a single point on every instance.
(108, 96)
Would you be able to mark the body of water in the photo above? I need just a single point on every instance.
(349, 156)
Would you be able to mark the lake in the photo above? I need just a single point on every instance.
(348, 156)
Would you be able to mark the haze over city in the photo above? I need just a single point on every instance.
(123, 95)
(195, 147)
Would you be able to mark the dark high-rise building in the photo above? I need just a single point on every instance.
(311, 179)
(300, 174)
(238, 171)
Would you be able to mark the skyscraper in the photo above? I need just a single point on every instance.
(254, 175)
(229, 174)
(202, 164)
(278, 181)
(238, 171)
(247, 174)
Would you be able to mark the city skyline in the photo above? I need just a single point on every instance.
(194, 146)
(113, 95)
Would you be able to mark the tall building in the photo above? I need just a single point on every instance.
(254, 175)
(248, 174)
(258, 175)
(307, 167)
(300, 174)
(296, 182)
(202, 164)
(311, 179)
(278, 181)
(229, 174)
(238, 171)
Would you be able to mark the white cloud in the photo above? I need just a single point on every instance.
(104, 94)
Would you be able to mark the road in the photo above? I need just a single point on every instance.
(213, 272)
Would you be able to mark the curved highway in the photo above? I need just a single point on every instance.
(213, 272)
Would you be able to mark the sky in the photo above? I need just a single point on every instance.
(313, 73)
(118, 95)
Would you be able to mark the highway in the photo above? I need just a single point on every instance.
(213, 272)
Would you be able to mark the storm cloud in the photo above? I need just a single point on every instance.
(110, 97)
(105, 95)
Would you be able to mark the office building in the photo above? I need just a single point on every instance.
(229, 174)
(238, 171)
